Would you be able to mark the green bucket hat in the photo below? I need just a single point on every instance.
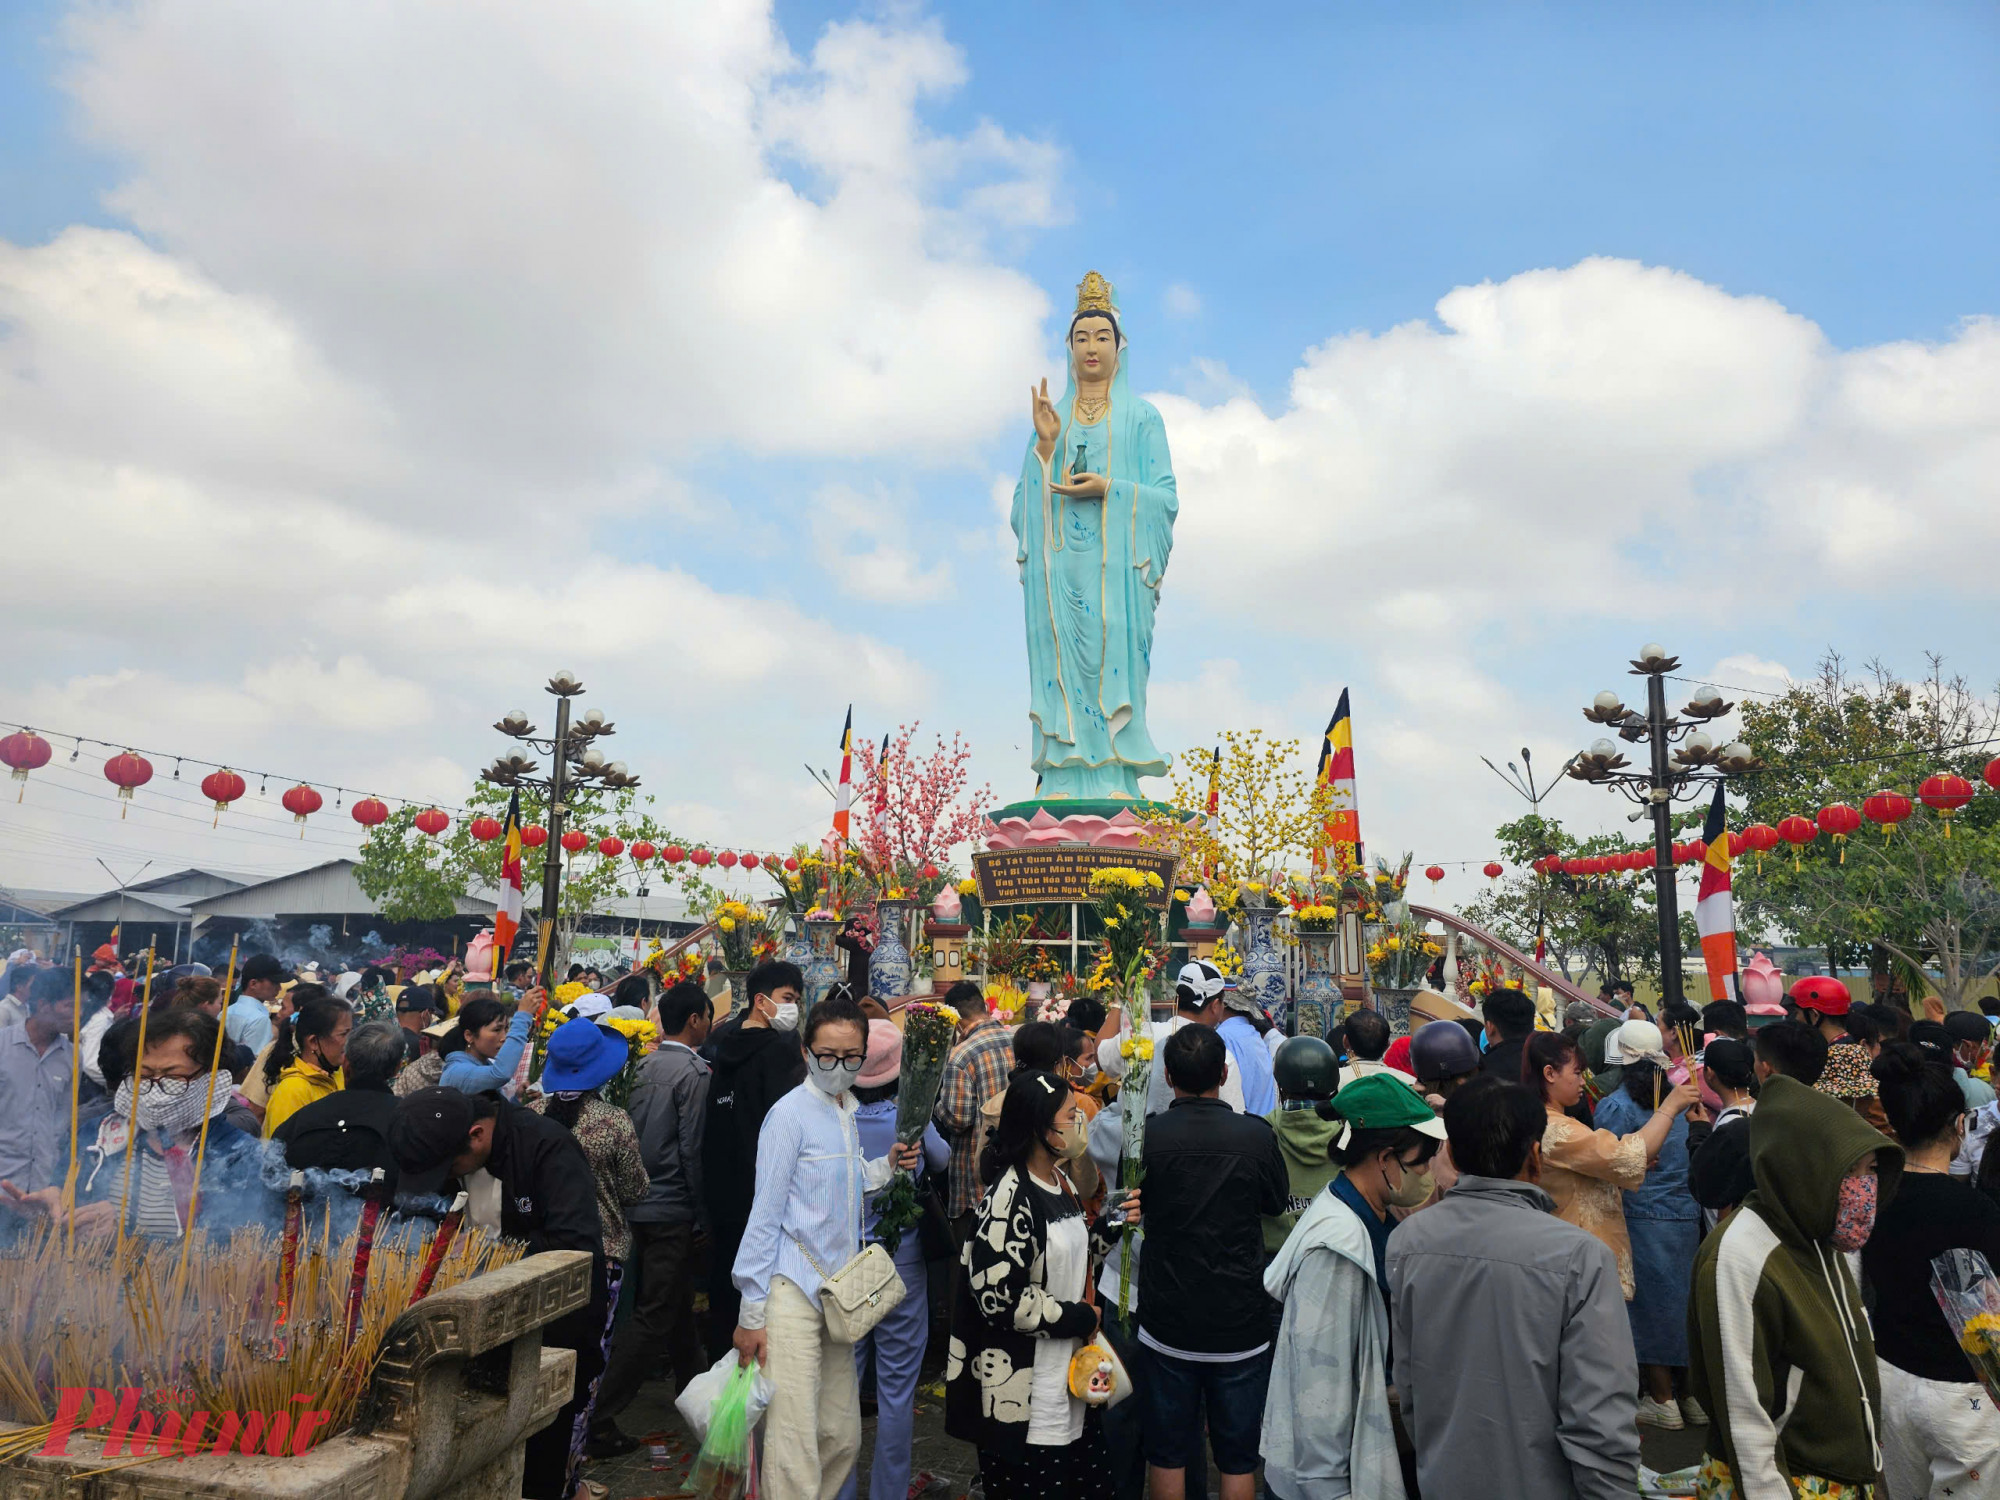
(1381, 1102)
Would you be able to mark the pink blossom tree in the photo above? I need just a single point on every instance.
(913, 808)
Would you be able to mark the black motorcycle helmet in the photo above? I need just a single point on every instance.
(1306, 1068)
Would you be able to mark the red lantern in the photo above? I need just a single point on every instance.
(727, 859)
(1494, 869)
(1945, 795)
(611, 846)
(485, 829)
(751, 861)
(1576, 867)
(642, 851)
(370, 812)
(302, 802)
(1434, 874)
(791, 863)
(25, 751)
(1798, 832)
(1697, 851)
(534, 836)
(673, 854)
(431, 822)
(700, 858)
(575, 840)
(125, 771)
(1991, 775)
(1838, 820)
(222, 788)
(930, 872)
(1888, 808)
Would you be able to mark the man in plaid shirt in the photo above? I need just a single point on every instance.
(976, 1071)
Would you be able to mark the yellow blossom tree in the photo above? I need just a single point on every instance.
(1270, 816)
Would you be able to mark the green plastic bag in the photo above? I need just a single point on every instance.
(726, 1468)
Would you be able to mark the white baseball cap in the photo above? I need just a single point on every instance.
(1202, 977)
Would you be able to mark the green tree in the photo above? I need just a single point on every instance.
(416, 877)
(1920, 908)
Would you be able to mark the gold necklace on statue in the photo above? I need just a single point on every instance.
(1090, 415)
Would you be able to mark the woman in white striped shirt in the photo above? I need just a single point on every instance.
(805, 1224)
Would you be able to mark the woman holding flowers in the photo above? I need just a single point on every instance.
(805, 1223)
(1940, 1433)
(1024, 1305)
(897, 1342)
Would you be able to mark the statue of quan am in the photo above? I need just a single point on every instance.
(1094, 519)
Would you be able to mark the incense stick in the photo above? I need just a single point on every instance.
(201, 1145)
(132, 1121)
(75, 1095)
(106, 1321)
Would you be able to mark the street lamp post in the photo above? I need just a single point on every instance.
(1679, 751)
(575, 761)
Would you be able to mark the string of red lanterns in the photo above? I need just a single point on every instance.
(1944, 794)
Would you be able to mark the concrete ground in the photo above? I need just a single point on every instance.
(659, 1469)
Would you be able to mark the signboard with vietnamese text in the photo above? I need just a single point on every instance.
(1061, 873)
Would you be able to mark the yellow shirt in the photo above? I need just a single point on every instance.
(297, 1086)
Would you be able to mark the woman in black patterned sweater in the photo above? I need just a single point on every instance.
(1024, 1306)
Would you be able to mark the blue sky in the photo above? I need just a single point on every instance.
(1790, 214)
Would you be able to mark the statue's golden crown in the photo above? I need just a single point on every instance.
(1093, 294)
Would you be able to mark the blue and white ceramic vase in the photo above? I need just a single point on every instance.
(890, 967)
(795, 947)
(1319, 989)
(823, 968)
(1263, 965)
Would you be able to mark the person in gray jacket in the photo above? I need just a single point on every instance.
(669, 1103)
(1512, 1354)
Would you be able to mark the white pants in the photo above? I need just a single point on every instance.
(1938, 1440)
(812, 1430)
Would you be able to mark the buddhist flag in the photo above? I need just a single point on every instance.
(844, 794)
(881, 807)
(507, 916)
(1714, 908)
(1336, 774)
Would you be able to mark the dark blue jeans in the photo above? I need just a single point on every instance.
(1177, 1392)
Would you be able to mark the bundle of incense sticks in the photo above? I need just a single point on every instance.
(440, 1244)
(364, 1250)
(109, 1318)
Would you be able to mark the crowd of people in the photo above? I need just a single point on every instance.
(1476, 1259)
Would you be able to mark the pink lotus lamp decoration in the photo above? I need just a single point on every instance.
(1201, 909)
(1763, 987)
(946, 907)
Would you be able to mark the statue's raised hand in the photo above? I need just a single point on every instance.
(1048, 426)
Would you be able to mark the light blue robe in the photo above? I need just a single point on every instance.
(1090, 576)
(1327, 1431)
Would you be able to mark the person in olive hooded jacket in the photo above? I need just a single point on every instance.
(1307, 1072)
(1781, 1355)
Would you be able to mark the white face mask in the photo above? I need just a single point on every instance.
(832, 1078)
(786, 1016)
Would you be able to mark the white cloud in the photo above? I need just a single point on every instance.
(1183, 301)
(861, 539)
(1570, 443)
(552, 237)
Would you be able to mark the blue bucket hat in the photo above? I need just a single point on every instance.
(582, 1055)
